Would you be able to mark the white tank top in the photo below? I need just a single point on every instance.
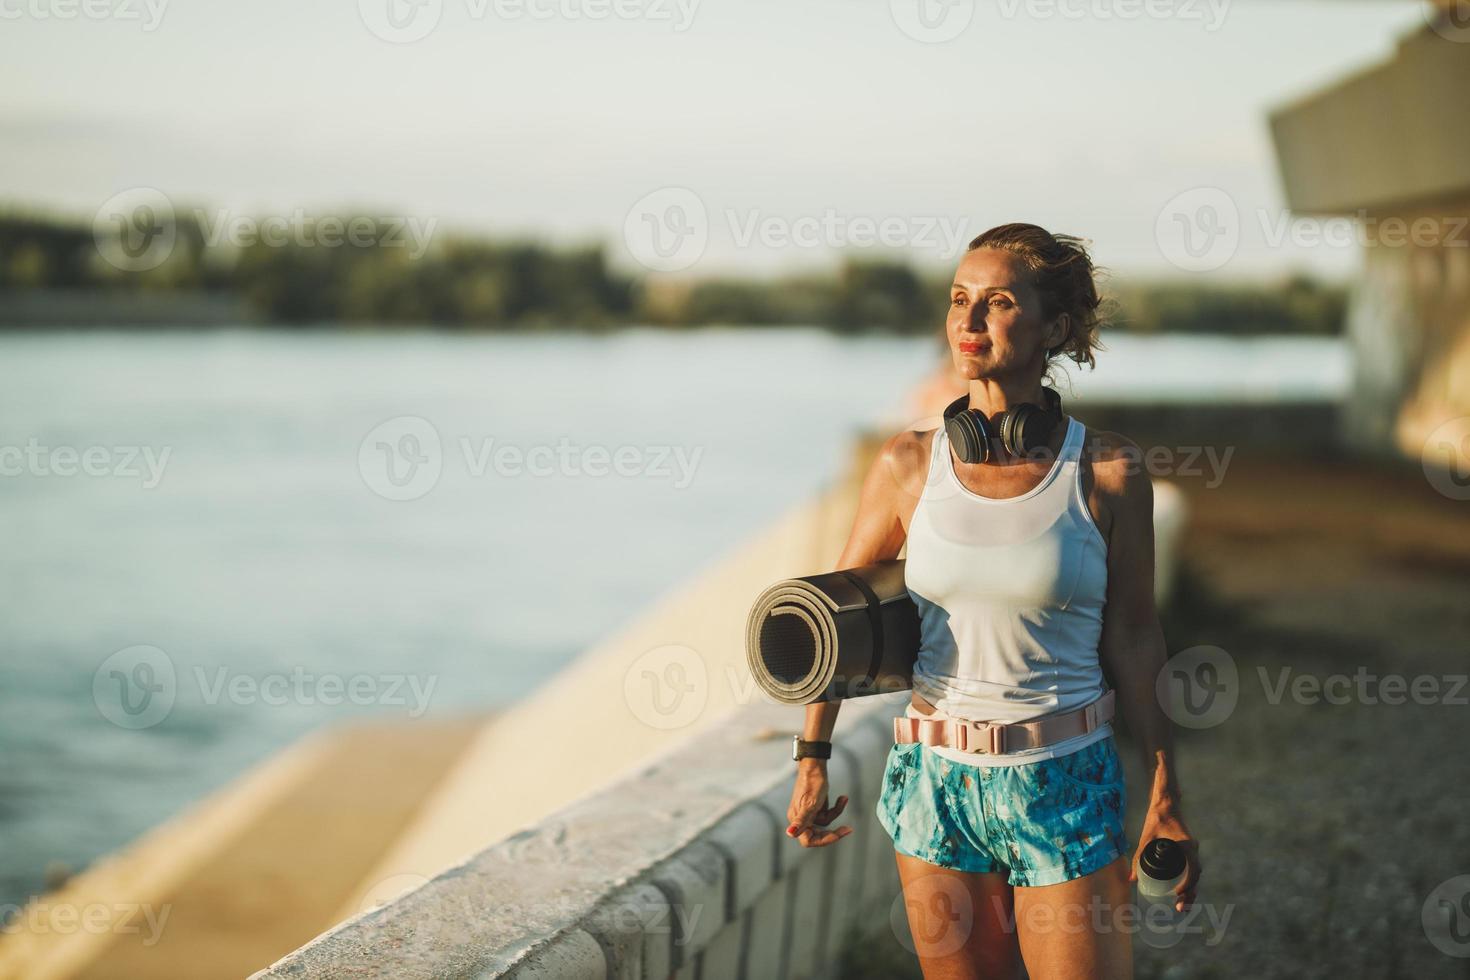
(1010, 594)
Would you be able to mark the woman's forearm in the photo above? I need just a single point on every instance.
(1137, 674)
(821, 718)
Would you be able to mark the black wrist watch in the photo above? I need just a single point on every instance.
(802, 749)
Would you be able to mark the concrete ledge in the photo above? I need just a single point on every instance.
(676, 863)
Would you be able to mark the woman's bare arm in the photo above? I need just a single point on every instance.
(878, 532)
(1132, 647)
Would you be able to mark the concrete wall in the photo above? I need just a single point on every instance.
(682, 870)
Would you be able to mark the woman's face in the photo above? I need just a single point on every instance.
(995, 326)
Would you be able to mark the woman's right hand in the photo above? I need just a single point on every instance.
(809, 814)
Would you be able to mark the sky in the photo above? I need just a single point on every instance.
(696, 136)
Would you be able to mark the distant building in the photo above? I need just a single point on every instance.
(1389, 146)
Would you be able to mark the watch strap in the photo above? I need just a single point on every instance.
(810, 749)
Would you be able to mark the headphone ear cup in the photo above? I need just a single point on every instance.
(970, 436)
(1010, 427)
(1030, 430)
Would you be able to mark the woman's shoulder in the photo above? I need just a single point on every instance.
(903, 459)
(1115, 464)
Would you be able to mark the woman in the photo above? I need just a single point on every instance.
(1032, 569)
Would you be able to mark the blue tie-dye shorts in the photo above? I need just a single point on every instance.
(1042, 822)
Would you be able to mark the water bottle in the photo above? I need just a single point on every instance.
(1161, 866)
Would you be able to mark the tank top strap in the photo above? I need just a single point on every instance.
(1071, 451)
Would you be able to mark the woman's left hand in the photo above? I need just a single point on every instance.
(1164, 821)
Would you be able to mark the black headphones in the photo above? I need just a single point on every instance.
(1021, 428)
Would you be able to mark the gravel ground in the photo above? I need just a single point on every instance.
(1326, 827)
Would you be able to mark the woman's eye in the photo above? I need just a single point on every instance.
(959, 301)
(1000, 301)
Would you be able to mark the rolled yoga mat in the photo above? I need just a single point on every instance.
(842, 634)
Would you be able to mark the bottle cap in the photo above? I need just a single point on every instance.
(1163, 859)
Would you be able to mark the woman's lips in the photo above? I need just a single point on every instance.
(973, 346)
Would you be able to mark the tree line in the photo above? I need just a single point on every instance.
(476, 282)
